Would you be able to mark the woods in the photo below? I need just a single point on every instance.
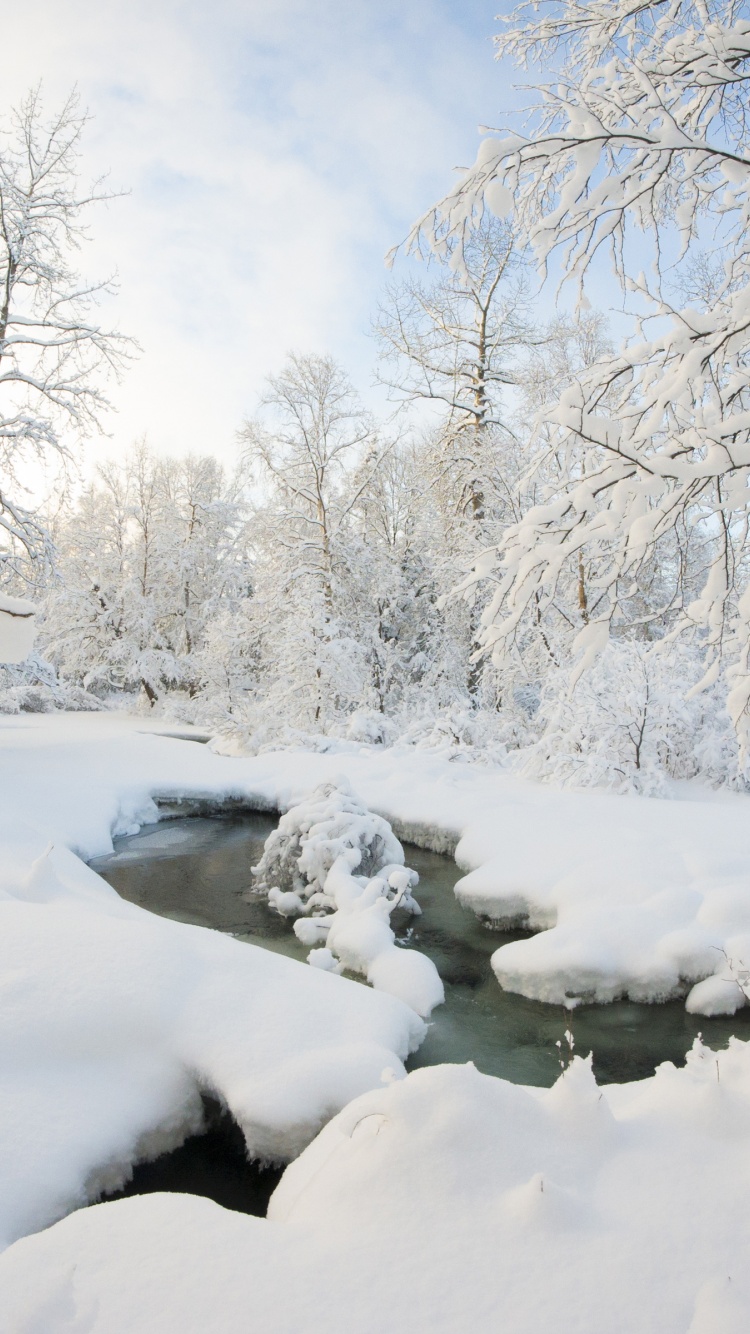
(512, 564)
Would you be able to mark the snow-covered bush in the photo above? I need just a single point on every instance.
(372, 729)
(629, 724)
(486, 736)
(340, 869)
(331, 822)
(33, 687)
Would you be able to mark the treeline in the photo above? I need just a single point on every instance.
(317, 589)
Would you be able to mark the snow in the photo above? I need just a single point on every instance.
(446, 1201)
(115, 1020)
(629, 895)
(340, 856)
(17, 624)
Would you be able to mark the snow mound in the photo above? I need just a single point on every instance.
(309, 865)
(330, 823)
(628, 1201)
(115, 1020)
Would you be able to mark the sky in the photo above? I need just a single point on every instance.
(272, 152)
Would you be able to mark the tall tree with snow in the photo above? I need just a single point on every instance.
(454, 341)
(305, 446)
(153, 555)
(54, 357)
(641, 140)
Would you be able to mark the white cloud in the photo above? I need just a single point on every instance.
(273, 149)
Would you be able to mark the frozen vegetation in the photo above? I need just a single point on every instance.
(517, 625)
(335, 861)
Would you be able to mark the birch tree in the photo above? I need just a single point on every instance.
(453, 341)
(304, 446)
(54, 356)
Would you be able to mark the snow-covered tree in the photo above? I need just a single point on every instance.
(306, 447)
(640, 140)
(153, 556)
(54, 357)
(454, 341)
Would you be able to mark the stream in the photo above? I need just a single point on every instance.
(197, 870)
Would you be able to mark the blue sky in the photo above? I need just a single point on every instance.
(273, 151)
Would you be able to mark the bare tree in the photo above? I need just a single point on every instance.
(454, 341)
(53, 357)
(306, 446)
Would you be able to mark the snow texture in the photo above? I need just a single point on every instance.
(114, 1019)
(629, 895)
(446, 1201)
(17, 618)
(309, 865)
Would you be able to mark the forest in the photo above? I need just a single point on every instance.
(516, 557)
(374, 875)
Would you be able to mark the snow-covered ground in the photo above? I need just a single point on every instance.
(444, 1201)
(113, 1020)
(634, 895)
(447, 1202)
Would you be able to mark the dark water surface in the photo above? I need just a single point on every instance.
(213, 1164)
(198, 871)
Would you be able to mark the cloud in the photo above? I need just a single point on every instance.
(272, 153)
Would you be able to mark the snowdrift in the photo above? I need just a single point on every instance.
(630, 896)
(447, 1201)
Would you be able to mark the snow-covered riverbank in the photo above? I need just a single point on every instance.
(113, 1020)
(444, 1201)
(635, 895)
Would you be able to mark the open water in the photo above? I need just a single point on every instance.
(199, 871)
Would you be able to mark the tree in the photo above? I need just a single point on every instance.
(153, 555)
(455, 342)
(408, 644)
(306, 450)
(53, 357)
(641, 138)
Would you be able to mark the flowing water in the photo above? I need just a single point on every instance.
(198, 870)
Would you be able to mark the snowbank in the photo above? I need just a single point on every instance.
(448, 1201)
(629, 895)
(114, 1020)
